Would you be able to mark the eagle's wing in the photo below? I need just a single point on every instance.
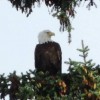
(48, 57)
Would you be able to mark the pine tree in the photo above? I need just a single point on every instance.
(63, 10)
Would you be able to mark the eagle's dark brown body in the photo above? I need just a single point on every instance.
(48, 57)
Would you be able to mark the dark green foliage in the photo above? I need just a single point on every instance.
(32, 85)
(85, 79)
(62, 9)
(82, 82)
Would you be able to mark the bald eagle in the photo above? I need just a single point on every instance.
(48, 55)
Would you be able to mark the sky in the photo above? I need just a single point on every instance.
(18, 36)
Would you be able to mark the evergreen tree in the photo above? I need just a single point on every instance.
(82, 82)
(63, 10)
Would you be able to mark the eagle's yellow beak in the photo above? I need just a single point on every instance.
(51, 34)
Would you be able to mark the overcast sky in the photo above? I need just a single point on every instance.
(18, 35)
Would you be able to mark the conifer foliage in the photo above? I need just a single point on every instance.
(82, 82)
(63, 10)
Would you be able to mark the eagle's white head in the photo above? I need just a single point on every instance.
(45, 36)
